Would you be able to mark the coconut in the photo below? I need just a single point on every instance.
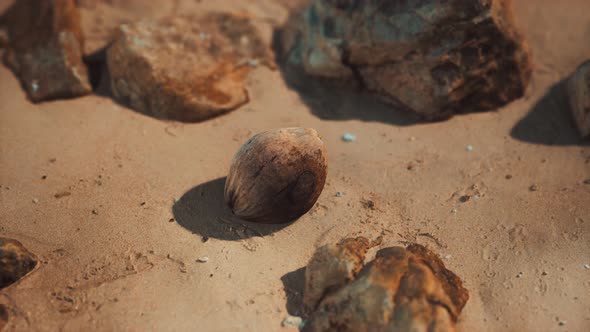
(277, 175)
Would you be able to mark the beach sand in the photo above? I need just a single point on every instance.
(119, 253)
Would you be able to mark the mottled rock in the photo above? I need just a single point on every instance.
(402, 289)
(15, 261)
(187, 69)
(333, 266)
(578, 89)
(45, 49)
(277, 175)
(435, 58)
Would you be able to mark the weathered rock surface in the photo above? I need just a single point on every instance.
(45, 49)
(15, 261)
(434, 57)
(400, 290)
(333, 266)
(187, 69)
(578, 89)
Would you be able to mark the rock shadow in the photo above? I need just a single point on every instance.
(550, 121)
(202, 210)
(294, 284)
(100, 78)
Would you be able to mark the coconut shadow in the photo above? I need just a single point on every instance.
(202, 210)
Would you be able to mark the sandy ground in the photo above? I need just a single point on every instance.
(128, 267)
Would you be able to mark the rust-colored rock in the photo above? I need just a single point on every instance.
(45, 49)
(187, 69)
(435, 58)
(15, 261)
(400, 290)
(102, 18)
(578, 89)
(333, 266)
(277, 175)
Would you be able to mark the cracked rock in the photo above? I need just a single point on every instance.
(435, 58)
(402, 289)
(45, 49)
(333, 266)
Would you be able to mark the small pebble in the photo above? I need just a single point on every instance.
(253, 62)
(464, 198)
(203, 259)
(562, 322)
(339, 194)
(44, 177)
(447, 257)
(519, 275)
(204, 239)
(587, 266)
(35, 200)
(171, 220)
(533, 187)
(62, 194)
(292, 321)
(95, 211)
(348, 137)
(35, 85)
(544, 273)
(508, 177)
(454, 211)
(587, 181)
(469, 148)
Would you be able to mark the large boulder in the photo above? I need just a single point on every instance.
(45, 49)
(187, 69)
(433, 57)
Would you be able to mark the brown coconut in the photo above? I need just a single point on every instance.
(277, 176)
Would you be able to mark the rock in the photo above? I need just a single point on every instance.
(333, 266)
(435, 58)
(45, 49)
(187, 69)
(402, 289)
(15, 261)
(277, 175)
(578, 89)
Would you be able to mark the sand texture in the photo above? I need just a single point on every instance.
(118, 206)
